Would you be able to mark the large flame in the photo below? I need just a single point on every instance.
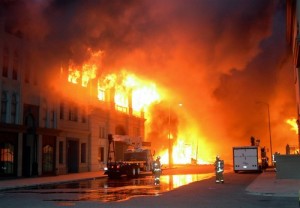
(186, 149)
(142, 94)
(88, 71)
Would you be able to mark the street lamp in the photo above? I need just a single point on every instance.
(268, 106)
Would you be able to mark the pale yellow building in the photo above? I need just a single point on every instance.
(44, 136)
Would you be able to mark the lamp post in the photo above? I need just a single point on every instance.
(269, 121)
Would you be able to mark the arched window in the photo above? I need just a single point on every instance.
(6, 158)
(3, 106)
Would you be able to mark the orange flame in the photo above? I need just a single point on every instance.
(185, 149)
(126, 85)
(293, 123)
(86, 72)
(129, 90)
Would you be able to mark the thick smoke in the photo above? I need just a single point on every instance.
(218, 57)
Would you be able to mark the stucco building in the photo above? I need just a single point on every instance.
(43, 136)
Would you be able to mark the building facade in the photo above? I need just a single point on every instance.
(42, 136)
(293, 38)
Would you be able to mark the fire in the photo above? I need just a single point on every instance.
(132, 91)
(183, 153)
(88, 71)
(85, 73)
(293, 123)
(127, 85)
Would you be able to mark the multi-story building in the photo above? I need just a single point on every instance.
(40, 135)
(293, 38)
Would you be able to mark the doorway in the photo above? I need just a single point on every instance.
(73, 156)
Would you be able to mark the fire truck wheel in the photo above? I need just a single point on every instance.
(131, 172)
(137, 172)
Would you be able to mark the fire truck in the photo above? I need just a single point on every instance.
(127, 156)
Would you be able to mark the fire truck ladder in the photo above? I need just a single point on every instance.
(111, 148)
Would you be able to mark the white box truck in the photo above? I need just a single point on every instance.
(247, 158)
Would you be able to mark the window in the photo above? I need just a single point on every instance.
(5, 62)
(61, 110)
(73, 113)
(83, 116)
(101, 154)
(83, 153)
(3, 106)
(7, 158)
(52, 118)
(14, 109)
(15, 66)
(61, 151)
(102, 132)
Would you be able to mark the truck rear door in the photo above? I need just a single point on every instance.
(245, 159)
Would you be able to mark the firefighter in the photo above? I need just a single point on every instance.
(157, 170)
(219, 169)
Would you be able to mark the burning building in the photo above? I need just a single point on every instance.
(47, 132)
(218, 63)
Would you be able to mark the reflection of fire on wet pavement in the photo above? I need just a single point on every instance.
(107, 190)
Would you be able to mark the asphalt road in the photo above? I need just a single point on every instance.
(208, 194)
(204, 193)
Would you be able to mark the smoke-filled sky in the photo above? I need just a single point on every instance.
(218, 57)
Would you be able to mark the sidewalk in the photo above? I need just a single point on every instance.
(265, 184)
(27, 182)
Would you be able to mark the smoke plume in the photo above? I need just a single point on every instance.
(224, 60)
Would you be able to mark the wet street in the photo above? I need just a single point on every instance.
(189, 186)
(109, 190)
